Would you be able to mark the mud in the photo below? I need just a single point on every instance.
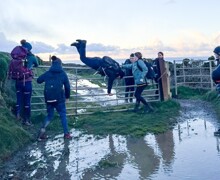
(188, 151)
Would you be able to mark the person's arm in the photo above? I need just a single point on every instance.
(35, 62)
(110, 84)
(66, 86)
(126, 66)
(41, 78)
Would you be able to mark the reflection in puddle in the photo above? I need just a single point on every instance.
(189, 151)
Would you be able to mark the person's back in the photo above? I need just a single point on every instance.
(55, 78)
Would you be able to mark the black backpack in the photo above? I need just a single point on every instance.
(150, 73)
(53, 90)
(110, 63)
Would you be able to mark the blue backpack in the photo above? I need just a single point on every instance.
(150, 73)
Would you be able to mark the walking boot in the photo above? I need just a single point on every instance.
(76, 44)
(136, 107)
(148, 108)
(81, 41)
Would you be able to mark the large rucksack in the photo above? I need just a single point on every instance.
(53, 90)
(110, 63)
(150, 73)
(17, 70)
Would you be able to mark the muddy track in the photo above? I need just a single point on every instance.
(113, 157)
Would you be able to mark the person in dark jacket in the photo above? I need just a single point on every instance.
(129, 81)
(140, 80)
(216, 77)
(98, 64)
(55, 98)
(216, 71)
(156, 66)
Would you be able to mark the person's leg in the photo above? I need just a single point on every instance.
(94, 62)
(61, 109)
(19, 95)
(50, 113)
(139, 98)
(27, 102)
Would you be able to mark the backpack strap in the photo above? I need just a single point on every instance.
(139, 67)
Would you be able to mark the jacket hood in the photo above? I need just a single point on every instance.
(56, 66)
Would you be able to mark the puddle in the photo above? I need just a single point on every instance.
(189, 151)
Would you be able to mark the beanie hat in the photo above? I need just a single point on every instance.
(56, 60)
(217, 50)
(26, 44)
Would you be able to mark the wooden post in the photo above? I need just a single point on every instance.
(165, 82)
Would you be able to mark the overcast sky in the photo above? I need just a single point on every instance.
(185, 28)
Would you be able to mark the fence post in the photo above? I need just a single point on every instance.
(210, 69)
(164, 80)
(175, 78)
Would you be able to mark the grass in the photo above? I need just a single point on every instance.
(214, 99)
(190, 93)
(130, 123)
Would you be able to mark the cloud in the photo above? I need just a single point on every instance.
(40, 47)
(94, 47)
(6, 45)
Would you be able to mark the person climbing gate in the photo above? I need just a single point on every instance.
(105, 66)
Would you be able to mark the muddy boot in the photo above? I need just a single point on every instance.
(136, 107)
(42, 135)
(148, 108)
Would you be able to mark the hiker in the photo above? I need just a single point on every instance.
(140, 80)
(129, 81)
(216, 77)
(23, 83)
(105, 66)
(55, 97)
(216, 71)
(156, 66)
(31, 59)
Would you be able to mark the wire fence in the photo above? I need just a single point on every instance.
(89, 93)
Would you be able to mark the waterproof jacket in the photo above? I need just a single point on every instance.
(216, 74)
(31, 61)
(56, 71)
(139, 76)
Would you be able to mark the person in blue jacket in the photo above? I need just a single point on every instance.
(99, 64)
(31, 58)
(140, 81)
(55, 96)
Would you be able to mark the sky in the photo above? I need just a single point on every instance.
(179, 28)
